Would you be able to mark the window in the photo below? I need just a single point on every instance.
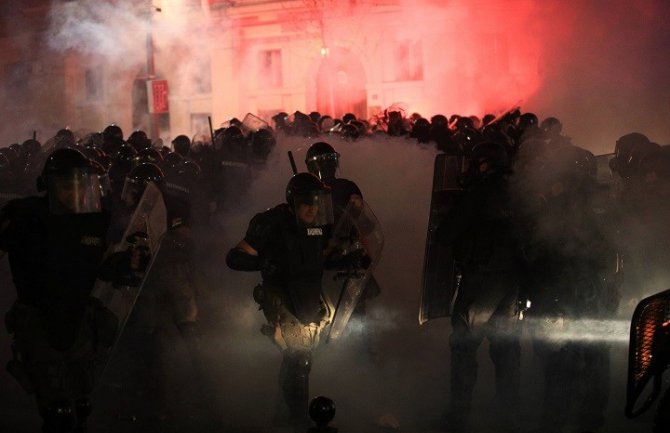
(203, 77)
(409, 61)
(93, 83)
(270, 68)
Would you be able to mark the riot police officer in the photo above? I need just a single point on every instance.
(575, 276)
(480, 231)
(286, 244)
(168, 297)
(55, 245)
(323, 161)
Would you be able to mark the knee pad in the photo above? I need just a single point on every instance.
(299, 363)
(303, 362)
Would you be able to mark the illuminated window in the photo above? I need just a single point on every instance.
(409, 61)
(270, 68)
(93, 83)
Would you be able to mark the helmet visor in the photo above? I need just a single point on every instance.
(77, 192)
(132, 191)
(313, 209)
(325, 166)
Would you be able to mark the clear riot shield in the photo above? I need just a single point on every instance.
(648, 352)
(439, 282)
(144, 233)
(252, 123)
(357, 229)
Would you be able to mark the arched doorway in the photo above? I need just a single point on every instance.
(341, 84)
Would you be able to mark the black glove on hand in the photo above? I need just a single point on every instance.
(268, 266)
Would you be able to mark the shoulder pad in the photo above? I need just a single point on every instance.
(263, 224)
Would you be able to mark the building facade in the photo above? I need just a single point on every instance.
(222, 59)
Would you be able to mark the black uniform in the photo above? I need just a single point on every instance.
(574, 277)
(168, 297)
(481, 232)
(58, 330)
(323, 161)
(290, 257)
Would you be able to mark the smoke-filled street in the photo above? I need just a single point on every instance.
(400, 386)
(554, 116)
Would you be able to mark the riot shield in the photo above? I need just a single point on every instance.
(649, 350)
(144, 233)
(252, 123)
(357, 231)
(439, 282)
(507, 113)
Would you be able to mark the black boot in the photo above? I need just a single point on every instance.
(294, 383)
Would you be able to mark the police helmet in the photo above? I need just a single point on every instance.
(150, 155)
(623, 149)
(138, 139)
(489, 157)
(64, 138)
(322, 160)
(29, 148)
(182, 145)
(551, 126)
(527, 120)
(112, 133)
(137, 180)
(305, 189)
(72, 183)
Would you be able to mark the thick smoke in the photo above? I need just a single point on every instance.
(407, 377)
(394, 175)
(602, 69)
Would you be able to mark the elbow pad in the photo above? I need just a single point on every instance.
(241, 261)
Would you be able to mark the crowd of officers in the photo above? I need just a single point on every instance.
(535, 219)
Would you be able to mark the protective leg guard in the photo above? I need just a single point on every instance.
(294, 382)
(463, 378)
(506, 356)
